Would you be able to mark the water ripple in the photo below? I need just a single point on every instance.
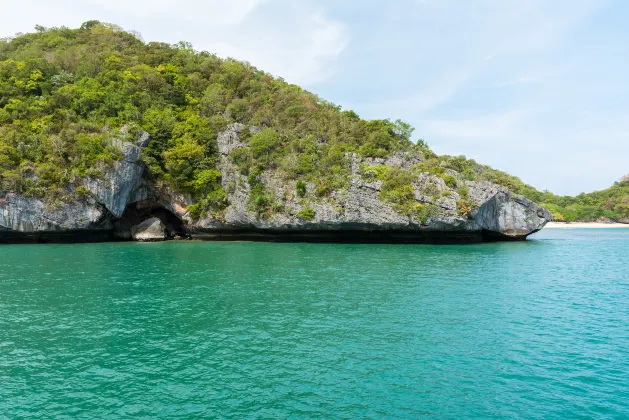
(254, 330)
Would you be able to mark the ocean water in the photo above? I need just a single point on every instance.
(531, 330)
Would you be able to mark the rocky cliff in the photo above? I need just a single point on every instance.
(90, 216)
(455, 211)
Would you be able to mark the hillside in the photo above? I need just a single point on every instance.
(64, 92)
(68, 97)
(612, 204)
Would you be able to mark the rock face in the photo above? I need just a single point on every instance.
(120, 198)
(114, 187)
(105, 201)
(24, 214)
(150, 230)
(498, 214)
(511, 215)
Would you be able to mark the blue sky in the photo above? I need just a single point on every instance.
(536, 88)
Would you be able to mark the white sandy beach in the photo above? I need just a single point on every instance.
(581, 225)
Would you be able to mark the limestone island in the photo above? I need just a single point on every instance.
(104, 137)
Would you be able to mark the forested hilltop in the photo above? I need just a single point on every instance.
(66, 94)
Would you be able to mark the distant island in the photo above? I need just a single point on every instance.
(610, 205)
(104, 136)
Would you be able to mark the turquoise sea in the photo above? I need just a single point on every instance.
(532, 330)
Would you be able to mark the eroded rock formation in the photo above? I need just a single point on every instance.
(93, 213)
(121, 199)
(499, 214)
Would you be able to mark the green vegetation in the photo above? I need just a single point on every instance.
(65, 94)
(259, 199)
(612, 203)
(450, 181)
(300, 188)
(307, 213)
(397, 189)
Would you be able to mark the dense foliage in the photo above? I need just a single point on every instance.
(66, 93)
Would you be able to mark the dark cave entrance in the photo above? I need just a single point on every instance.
(136, 213)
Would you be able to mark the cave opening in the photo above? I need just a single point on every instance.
(136, 213)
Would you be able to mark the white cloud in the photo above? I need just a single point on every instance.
(301, 48)
(528, 87)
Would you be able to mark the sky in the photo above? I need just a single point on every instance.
(537, 88)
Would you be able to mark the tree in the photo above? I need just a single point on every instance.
(403, 130)
(264, 143)
(182, 160)
(89, 24)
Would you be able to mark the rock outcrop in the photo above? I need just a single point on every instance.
(509, 215)
(116, 184)
(25, 214)
(105, 201)
(120, 198)
(150, 230)
(497, 213)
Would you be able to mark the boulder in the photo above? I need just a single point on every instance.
(150, 230)
(511, 216)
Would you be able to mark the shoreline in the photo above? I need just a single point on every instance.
(290, 235)
(585, 225)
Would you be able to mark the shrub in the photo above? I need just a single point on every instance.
(422, 212)
(264, 144)
(464, 192)
(397, 189)
(259, 199)
(307, 213)
(243, 159)
(323, 189)
(301, 188)
(465, 207)
(82, 191)
(450, 181)
(375, 172)
(372, 150)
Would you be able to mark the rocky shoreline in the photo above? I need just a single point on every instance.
(122, 204)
